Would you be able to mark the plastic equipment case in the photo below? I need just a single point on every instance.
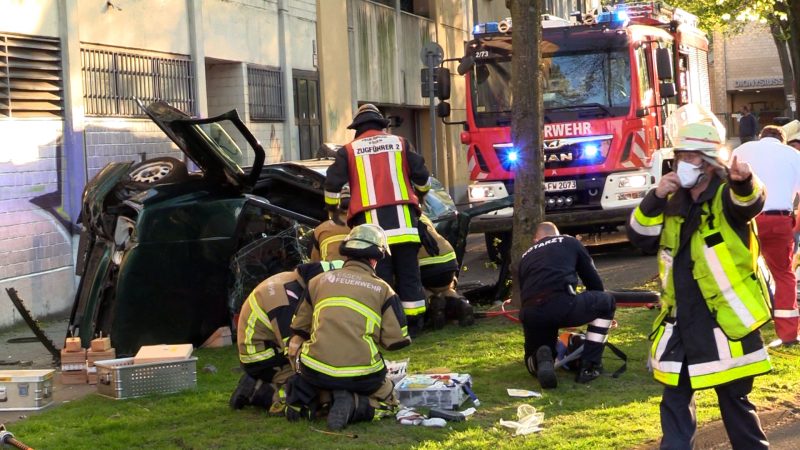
(121, 378)
(26, 390)
(443, 391)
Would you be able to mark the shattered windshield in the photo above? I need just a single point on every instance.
(593, 80)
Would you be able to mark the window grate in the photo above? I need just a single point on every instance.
(113, 80)
(30, 77)
(265, 91)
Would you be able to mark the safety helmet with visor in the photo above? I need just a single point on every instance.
(365, 241)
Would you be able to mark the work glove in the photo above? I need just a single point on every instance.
(427, 239)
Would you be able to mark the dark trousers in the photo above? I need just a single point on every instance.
(679, 422)
(401, 270)
(540, 323)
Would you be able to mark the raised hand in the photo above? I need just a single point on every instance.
(739, 171)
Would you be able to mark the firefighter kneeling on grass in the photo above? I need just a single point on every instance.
(548, 274)
(262, 333)
(438, 268)
(343, 318)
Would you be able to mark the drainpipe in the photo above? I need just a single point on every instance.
(73, 144)
(198, 53)
(290, 149)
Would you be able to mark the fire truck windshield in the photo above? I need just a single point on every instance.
(577, 84)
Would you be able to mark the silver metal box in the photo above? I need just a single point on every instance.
(121, 378)
(26, 390)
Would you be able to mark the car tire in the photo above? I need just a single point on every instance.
(498, 251)
(156, 171)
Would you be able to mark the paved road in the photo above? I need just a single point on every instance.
(619, 264)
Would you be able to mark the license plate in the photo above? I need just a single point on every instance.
(555, 186)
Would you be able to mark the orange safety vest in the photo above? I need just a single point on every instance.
(379, 173)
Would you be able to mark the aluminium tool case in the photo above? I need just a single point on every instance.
(26, 390)
(121, 378)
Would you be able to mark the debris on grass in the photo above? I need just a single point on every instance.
(528, 421)
(522, 393)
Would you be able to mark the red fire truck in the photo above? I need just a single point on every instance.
(610, 83)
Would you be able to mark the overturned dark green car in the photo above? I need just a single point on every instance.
(166, 254)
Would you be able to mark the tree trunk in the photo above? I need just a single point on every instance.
(786, 65)
(526, 128)
(794, 48)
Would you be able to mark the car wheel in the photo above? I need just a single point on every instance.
(158, 171)
(498, 245)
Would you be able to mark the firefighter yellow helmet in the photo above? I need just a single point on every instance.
(367, 240)
(699, 137)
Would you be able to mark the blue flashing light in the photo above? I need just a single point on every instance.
(488, 27)
(591, 151)
(512, 156)
(617, 18)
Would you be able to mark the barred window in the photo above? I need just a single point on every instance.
(265, 91)
(112, 80)
(30, 77)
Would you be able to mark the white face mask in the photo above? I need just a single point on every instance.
(689, 174)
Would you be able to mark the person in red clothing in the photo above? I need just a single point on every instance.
(386, 178)
(778, 166)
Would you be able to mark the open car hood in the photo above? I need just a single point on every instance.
(208, 143)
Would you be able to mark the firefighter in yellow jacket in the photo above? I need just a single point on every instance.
(438, 268)
(262, 334)
(715, 293)
(344, 317)
(329, 234)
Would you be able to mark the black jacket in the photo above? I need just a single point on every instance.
(553, 264)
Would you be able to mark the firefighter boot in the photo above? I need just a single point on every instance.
(415, 324)
(436, 312)
(588, 372)
(244, 391)
(262, 397)
(342, 409)
(466, 315)
(545, 368)
(364, 412)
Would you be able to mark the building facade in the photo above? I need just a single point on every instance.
(69, 73)
(747, 72)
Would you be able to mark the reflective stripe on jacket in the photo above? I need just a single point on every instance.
(445, 261)
(260, 333)
(379, 174)
(327, 238)
(729, 280)
(730, 273)
(345, 316)
(266, 315)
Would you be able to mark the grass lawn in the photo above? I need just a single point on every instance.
(607, 413)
